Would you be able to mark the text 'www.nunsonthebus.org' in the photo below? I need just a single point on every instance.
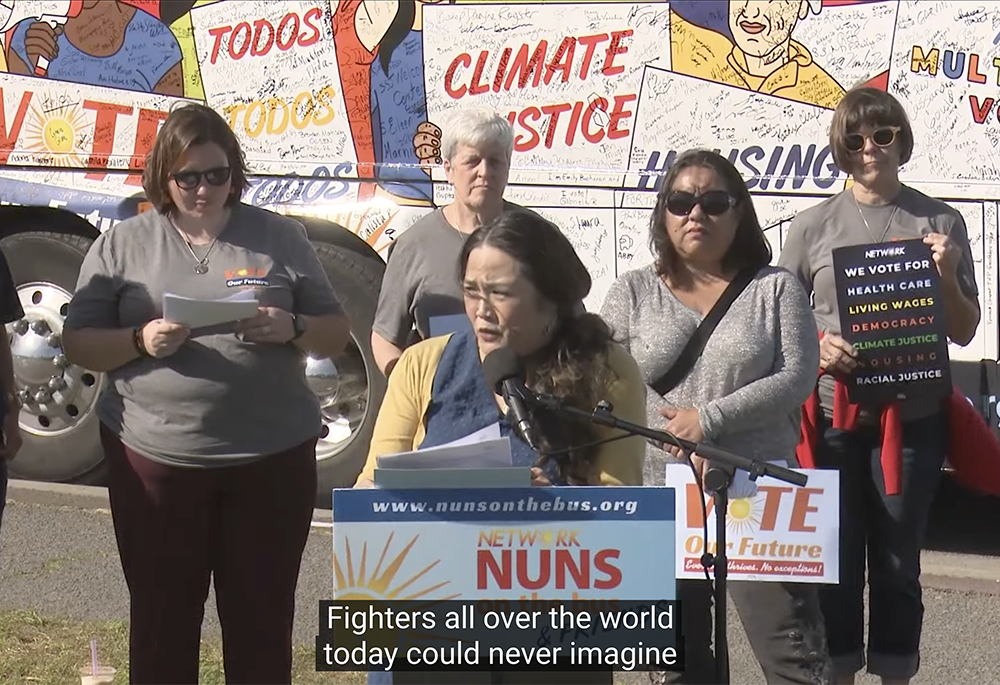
(520, 504)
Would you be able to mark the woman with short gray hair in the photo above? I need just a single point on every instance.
(420, 287)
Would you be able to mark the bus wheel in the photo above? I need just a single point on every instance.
(349, 387)
(58, 418)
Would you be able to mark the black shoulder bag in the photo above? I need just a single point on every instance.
(689, 355)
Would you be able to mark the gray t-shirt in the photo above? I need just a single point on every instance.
(218, 400)
(837, 222)
(755, 372)
(421, 280)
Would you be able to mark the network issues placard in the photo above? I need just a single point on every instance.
(892, 311)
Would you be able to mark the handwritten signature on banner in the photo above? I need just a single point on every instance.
(676, 112)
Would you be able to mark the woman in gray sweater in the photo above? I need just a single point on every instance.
(742, 394)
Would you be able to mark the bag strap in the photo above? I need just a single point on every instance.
(689, 355)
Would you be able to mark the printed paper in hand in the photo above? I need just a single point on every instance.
(491, 432)
(480, 454)
(196, 313)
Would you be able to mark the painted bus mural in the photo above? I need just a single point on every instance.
(339, 106)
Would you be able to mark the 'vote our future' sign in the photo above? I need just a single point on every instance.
(889, 296)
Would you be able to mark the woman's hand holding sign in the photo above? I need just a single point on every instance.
(962, 312)
(945, 253)
(836, 355)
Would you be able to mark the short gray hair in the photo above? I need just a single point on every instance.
(476, 127)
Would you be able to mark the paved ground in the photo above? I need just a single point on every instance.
(59, 558)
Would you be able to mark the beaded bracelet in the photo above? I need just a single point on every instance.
(139, 343)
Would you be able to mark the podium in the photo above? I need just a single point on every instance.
(486, 536)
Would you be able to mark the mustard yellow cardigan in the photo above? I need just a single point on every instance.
(400, 426)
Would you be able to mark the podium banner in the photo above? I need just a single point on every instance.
(775, 531)
(514, 544)
(501, 578)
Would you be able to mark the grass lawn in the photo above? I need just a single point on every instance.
(35, 650)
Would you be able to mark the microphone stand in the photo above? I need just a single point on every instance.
(717, 481)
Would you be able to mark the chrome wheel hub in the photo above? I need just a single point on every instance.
(56, 396)
(341, 384)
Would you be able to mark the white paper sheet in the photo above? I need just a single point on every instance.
(195, 313)
(482, 454)
(410, 479)
(491, 432)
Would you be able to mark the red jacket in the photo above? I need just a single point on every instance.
(973, 449)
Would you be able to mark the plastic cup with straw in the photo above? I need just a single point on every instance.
(95, 674)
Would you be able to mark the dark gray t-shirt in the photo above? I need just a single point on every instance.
(837, 222)
(421, 280)
(218, 400)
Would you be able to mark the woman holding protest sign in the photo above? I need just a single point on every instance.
(740, 389)
(889, 456)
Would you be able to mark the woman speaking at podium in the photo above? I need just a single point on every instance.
(741, 391)
(523, 286)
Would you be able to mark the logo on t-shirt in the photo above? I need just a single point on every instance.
(248, 276)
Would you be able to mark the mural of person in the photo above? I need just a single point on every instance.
(108, 43)
(380, 53)
(749, 44)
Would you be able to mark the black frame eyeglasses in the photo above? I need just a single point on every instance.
(189, 180)
(712, 202)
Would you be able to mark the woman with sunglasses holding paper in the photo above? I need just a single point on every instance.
(209, 433)
(883, 514)
(711, 281)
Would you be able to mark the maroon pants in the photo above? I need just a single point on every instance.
(176, 527)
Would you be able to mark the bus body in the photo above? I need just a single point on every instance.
(339, 106)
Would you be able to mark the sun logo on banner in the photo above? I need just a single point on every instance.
(387, 582)
(379, 584)
(54, 130)
(745, 508)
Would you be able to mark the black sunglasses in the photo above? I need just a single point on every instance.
(712, 202)
(189, 180)
(882, 137)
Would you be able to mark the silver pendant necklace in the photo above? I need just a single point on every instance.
(201, 267)
(887, 225)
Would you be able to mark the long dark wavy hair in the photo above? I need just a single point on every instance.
(573, 366)
(749, 248)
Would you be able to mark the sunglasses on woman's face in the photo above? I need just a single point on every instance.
(882, 137)
(189, 180)
(712, 202)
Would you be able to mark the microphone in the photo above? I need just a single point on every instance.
(504, 373)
